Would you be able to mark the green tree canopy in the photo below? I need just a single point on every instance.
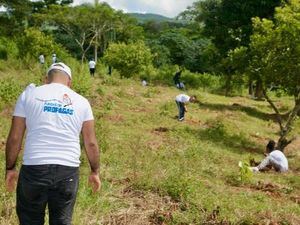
(128, 59)
(275, 58)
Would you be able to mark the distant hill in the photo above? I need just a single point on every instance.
(144, 17)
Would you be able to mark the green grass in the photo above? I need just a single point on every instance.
(156, 170)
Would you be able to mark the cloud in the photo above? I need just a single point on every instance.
(170, 8)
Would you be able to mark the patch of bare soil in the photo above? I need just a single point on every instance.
(259, 139)
(293, 147)
(116, 118)
(267, 218)
(212, 218)
(272, 190)
(295, 199)
(193, 122)
(161, 129)
(143, 208)
(140, 110)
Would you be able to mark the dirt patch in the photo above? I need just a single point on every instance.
(259, 139)
(293, 147)
(116, 118)
(161, 129)
(140, 109)
(268, 218)
(296, 199)
(272, 190)
(193, 122)
(143, 208)
(154, 144)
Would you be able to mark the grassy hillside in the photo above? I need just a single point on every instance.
(156, 170)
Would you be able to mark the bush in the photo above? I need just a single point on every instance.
(165, 75)
(81, 82)
(34, 42)
(196, 80)
(128, 59)
(9, 90)
(8, 48)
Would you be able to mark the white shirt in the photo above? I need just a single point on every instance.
(277, 159)
(144, 83)
(54, 117)
(42, 59)
(92, 64)
(54, 59)
(182, 98)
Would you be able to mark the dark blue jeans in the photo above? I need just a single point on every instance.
(41, 185)
(181, 109)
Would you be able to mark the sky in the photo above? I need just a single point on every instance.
(169, 8)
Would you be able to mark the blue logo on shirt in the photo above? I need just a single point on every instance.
(57, 108)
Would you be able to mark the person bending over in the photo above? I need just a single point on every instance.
(181, 101)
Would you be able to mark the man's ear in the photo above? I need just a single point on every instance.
(69, 83)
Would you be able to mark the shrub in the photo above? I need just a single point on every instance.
(9, 90)
(128, 59)
(196, 80)
(165, 75)
(34, 42)
(8, 48)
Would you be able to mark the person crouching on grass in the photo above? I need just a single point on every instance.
(275, 159)
(181, 101)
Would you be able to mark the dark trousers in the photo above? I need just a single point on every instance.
(40, 185)
(181, 109)
(92, 71)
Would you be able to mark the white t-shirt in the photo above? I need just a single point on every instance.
(92, 64)
(279, 158)
(54, 117)
(276, 159)
(42, 59)
(182, 98)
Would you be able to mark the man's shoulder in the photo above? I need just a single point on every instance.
(277, 153)
(79, 97)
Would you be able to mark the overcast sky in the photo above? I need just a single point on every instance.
(170, 8)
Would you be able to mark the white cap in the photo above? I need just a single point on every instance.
(62, 67)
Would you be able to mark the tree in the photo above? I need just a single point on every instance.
(128, 59)
(34, 42)
(275, 58)
(228, 24)
(15, 20)
(89, 26)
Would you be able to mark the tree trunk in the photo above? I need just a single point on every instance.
(283, 141)
(250, 88)
(228, 84)
(259, 94)
(96, 49)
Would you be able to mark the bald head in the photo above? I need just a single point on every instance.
(58, 76)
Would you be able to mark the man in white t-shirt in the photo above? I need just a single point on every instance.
(42, 59)
(275, 159)
(181, 101)
(54, 116)
(54, 59)
(92, 66)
